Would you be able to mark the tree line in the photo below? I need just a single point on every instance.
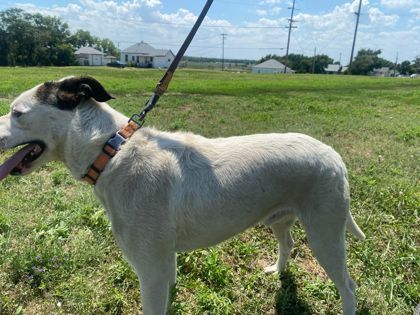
(301, 63)
(364, 63)
(37, 40)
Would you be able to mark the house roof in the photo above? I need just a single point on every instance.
(145, 49)
(333, 68)
(88, 51)
(271, 64)
(383, 69)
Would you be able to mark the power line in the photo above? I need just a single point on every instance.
(119, 42)
(148, 23)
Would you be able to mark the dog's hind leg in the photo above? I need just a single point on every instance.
(325, 229)
(281, 230)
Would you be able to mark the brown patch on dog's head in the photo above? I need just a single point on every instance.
(47, 92)
(69, 93)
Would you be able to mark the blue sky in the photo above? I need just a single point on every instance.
(253, 28)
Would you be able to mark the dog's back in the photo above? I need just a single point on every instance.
(219, 187)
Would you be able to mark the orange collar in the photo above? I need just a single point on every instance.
(109, 150)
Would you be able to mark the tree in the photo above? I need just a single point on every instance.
(32, 39)
(367, 60)
(37, 40)
(405, 67)
(83, 38)
(416, 65)
(109, 48)
(321, 62)
(301, 63)
(4, 47)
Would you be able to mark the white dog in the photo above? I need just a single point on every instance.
(168, 192)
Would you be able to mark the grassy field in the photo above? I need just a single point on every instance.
(58, 256)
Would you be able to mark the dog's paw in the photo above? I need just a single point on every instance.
(271, 269)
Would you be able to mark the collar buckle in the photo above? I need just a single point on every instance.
(116, 141)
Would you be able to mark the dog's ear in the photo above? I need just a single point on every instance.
(72, 91)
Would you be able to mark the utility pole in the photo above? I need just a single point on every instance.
(290, 31)
(313, 61)
(355, 33)
(395, 66)
(223, 50)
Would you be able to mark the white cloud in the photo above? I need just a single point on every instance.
(275, 10)
(332, 32)
(271, 11)
(376, 16)
(402, 41)
(398, 4)
(271, 2)
(153, 3)
(415, 13)
(129, 21)
(270, 22)
(126, 22)
(261, 12)
(181, 16)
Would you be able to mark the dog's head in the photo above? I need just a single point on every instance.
(38, 121)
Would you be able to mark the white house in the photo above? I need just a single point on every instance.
(144, 55)
(89, 56)
(109, 58)
(335, 69)
(384, 72)
(271, 66)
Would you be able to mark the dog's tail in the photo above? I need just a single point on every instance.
(354, 229)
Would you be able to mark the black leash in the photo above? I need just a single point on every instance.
(113, 145)
(163, 84)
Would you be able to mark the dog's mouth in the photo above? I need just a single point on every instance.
(21, 162)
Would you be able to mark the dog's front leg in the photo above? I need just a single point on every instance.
(157, 275)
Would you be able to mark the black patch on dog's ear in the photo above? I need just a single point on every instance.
(71, 92)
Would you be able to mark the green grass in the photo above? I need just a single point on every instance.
(58, 256)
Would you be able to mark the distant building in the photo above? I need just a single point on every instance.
(335, 69)
(384, 72)
(89, 56)
(144, 55)
(109, 59)
(271, 66)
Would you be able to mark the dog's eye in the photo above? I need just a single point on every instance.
(16, 113)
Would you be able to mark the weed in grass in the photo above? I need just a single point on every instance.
(409, 135)
(178, 124)
(211, 302)
(206, 265)
(4, 224)
(37, 266)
